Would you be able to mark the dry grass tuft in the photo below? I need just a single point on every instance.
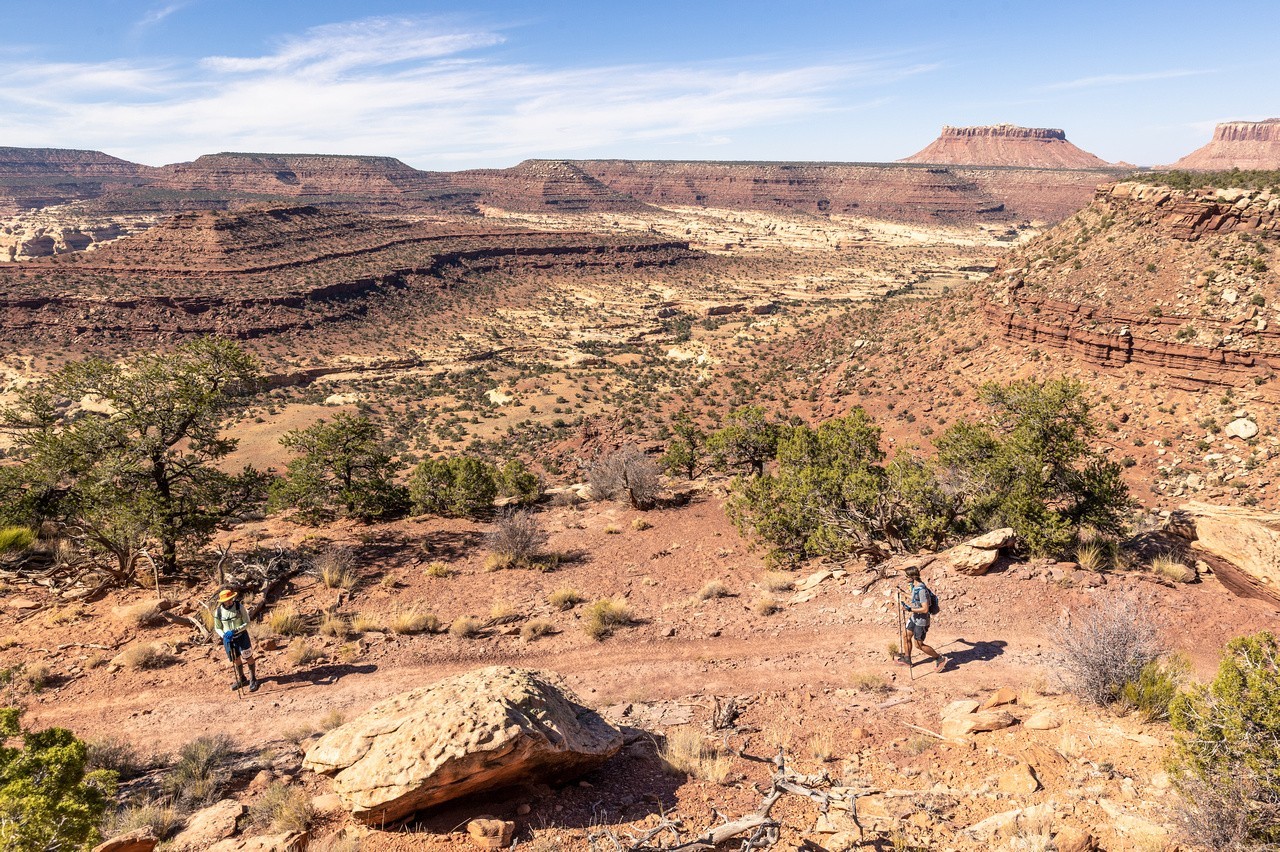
(146, 655)
(283, 807)
(872, 682)
(536, 629)
(822, 745)
(439, 570)
(565, 598)
(302, 653)
(601, 617)
(367, 622)
(777, 581)
(1092, 556)
(335, 625)
(1170, 567)
(765, 605)
(410, 621)
(285, 620)
(332, 719)
(640, 525)
(36, 676)
(502, 609)
(165, 820)
(335, 568)
(713, 589)
(466, 627)
(685, 750)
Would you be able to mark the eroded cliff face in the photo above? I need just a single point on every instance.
(256, 272)
(38, 177)
(544, 186)
(895, 192)
(1006, 145)
(1181, 281)
(1237, 145)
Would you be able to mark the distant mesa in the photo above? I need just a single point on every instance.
(1237, 145)
(544, 186)
(1006, 145)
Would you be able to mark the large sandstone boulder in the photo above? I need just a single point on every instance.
(977, 555)
(208, 826)
(469, 733)
(1241, 545)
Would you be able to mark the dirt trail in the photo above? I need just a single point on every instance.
(167, 715)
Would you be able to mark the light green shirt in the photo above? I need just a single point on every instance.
(234, 619)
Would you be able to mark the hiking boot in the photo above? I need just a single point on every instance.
(901, 660)
(239, 684)
(253, 685)
(940, 664)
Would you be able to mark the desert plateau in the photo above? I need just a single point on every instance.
(611, 503)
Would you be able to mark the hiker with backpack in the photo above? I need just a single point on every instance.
(231, 624)
(924, 603)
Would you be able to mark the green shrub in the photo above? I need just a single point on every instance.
(344, 469)
(1155, 688)
(1227, 748)
(16, 539)
(48, 799)
(748, 440)
(461, 486)
(519, 483)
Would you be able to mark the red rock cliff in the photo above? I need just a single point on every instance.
(1006, 145)
(1238, 145)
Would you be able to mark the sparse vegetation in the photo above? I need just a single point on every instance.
(565, 598)
(516, 540)
(165, 820)
(335, 625)
(335, 568)
(412, 621)
(765, 605)
(366, 622)
(438, 570)
(198, 775)
(536, 629)
(285, 620)
(713, 589)
(626, 474)
(685, 750)
(1228, 743)
(460, 486)
(1104, 647)
(146, 655)
(302, 653)
(776, 581)
(601, 617)
(466, 627)
(283, 807)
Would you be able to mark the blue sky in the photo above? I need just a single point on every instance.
(449, 85)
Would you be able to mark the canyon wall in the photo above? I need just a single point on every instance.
(1237, 145)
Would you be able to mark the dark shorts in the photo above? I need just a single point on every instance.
(237, 646)
(918, 628)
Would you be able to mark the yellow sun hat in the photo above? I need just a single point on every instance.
(226, 595)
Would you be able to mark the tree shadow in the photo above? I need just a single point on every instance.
(974, 652)
(450, 544)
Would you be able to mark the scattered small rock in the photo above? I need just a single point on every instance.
(489, 833)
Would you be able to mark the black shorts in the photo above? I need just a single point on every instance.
(237, 646)
(918, 628)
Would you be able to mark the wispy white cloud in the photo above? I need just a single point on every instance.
(158, 13)
(413, 89)
(1122, 79)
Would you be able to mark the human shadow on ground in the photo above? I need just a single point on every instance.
(315, 676)
(960, 651)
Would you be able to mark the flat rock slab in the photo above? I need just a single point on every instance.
(466, 734)
(292, 841)
(206, 827)
(139, 840)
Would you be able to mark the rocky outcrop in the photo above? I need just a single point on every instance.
(1237, 145)
(1177, 280)
(208, 826)
(1241, 545)
(976, 556)
(38, 177)
(1006, 145)
(466, 734)
(139, 840)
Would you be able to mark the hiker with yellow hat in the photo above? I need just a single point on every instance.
(231, 622)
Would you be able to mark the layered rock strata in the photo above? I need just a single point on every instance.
(1006, 145)
(1172, 279)
(1237, 145)
(256, 272)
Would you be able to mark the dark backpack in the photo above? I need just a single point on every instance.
(934, 609)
